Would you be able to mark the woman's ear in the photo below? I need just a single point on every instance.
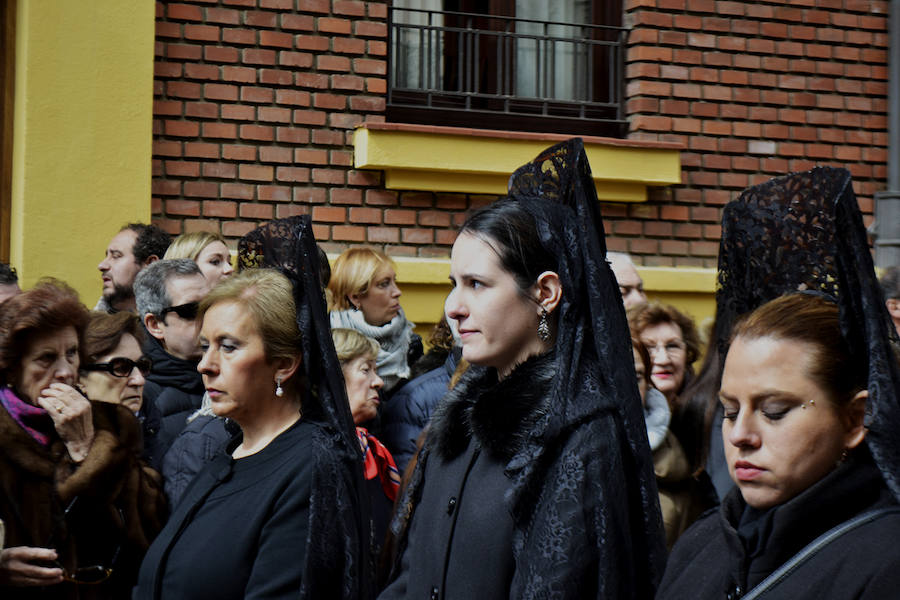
(286, 367)
(854, 419)
(549, 290)
(354, 301)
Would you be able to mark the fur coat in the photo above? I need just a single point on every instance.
(110, 500)
(468, 528)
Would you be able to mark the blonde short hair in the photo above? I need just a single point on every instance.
(268, 296)
(353, 272)
(190, 245)
(351, 344)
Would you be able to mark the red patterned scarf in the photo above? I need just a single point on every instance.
(379, 463)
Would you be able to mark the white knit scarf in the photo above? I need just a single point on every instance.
(393, 340)
(657, 415)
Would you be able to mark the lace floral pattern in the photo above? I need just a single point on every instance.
(338, 564)
(804, 232)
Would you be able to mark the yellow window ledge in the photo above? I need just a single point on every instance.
(479, 161)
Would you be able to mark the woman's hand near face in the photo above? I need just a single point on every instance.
(22, 566)
(72, 418)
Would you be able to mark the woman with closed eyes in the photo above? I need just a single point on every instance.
(808, 397)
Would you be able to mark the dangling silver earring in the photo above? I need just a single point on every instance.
(279, 391)
(543, 326)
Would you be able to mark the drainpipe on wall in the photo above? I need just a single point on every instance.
(886, 228)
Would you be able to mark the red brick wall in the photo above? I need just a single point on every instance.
(255, 102)
(753, 90)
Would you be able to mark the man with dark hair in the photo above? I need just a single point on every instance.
(9, 282)
(167, 294)
(890, 286)
(133, 248)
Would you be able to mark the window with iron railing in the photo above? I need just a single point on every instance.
(526, 65)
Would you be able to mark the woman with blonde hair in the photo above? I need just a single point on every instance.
(357, 354)
(280, 513)
(365, 297)
(205, 248)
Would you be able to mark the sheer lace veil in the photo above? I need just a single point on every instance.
(804, 231)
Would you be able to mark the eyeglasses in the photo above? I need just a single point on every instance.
(121, 366)
(671, 348)
(94, 574)
(188, 311)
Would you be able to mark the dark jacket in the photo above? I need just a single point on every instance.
(114, 501)
(468, 539)
(712, 560)
(241, 528)
(408, 411)
(203, 439)
(174, 390)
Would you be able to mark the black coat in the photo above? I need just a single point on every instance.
(467, 536)
(710, 560)
(174, 390)
(408, 411)
(241, 528)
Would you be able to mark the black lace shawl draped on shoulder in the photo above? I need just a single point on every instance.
(594, 405)
(804, 231)
(338, 564)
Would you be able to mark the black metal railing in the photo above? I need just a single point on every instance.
(503, 72)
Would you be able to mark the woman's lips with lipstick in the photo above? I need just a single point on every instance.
(746, 471)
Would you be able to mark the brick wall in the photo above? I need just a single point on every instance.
(255, 102)
(753, 90)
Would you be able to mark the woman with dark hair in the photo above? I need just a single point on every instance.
(78, 504)
(808, 396)
(535, 479)
(280, 513)
(116, 365)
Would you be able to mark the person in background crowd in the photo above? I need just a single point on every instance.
(115, 365)
(133, 248)
(9, 282)
(365, 297)
(206, 249)
(682, 497)
(168, 294)
(794, 397)
(78, 504)
(535, 478)
(672, 340)
(283, 513)
(357, 354)
(631, 286)
(890, 287)
(407, 413)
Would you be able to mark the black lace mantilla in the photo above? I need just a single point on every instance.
(338, 565)
(804, 231)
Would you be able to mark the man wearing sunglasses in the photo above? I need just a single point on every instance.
(167, 294)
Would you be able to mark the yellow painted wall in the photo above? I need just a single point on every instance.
(83, 134)
(425, 285)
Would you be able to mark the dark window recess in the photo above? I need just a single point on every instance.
(523, 65)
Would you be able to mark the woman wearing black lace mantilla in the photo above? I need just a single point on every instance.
(536, 478)
(808, 394)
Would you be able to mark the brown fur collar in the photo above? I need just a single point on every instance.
(497, 415)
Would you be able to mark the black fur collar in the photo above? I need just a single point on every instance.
(496, 415)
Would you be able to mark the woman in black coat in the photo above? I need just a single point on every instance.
(536, 478)
(809, 397)
(282, 513)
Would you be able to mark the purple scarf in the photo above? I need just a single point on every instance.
(32, 419)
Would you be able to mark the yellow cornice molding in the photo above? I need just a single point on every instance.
(478, 161)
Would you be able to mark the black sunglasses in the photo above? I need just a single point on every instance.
(94, 574)
(188, 311)
(121, 366)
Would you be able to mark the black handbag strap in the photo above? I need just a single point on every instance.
(813, 547)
